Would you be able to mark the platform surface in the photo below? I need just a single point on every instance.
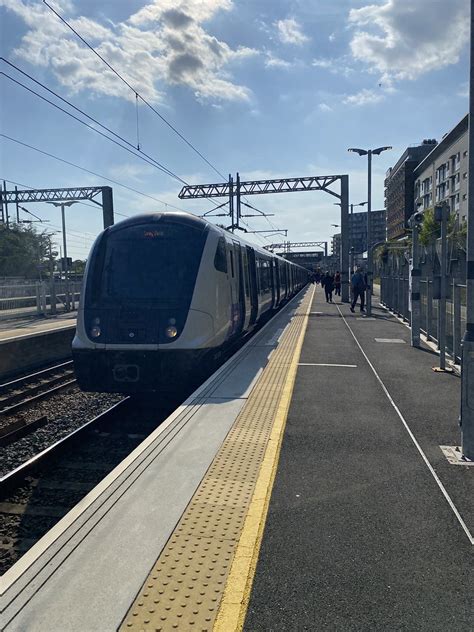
(301, 488)
(359, 535)
(24, 327)
(85, 574)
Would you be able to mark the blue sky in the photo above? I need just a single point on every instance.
(269, 89)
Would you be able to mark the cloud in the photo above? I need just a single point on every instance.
(324, 63)
(163, 44)
(463, 90)
(324, 107)
(289, 32)
(405, 39)
(364, 97)
(336, 66)
(129, 171)
(276, 62)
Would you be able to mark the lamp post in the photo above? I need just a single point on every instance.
(467, 360)
(369, 153)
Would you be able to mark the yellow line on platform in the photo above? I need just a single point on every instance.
(234, 604)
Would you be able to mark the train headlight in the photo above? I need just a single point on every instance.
(95, 331)
(171, 331)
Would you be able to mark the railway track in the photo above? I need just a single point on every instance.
(37, 494)
(25, 390)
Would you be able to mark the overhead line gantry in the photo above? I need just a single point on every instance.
(238, 188)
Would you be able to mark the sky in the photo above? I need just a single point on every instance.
(266, 88)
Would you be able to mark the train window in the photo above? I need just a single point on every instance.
(146, 263)
(232, 262)
(220, 259)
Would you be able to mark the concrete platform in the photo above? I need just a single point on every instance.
(26, 344)
(86, 572)
(301, 488)
(369, 527)
(22, 327)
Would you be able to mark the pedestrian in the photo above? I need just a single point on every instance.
(328, 284)
(337, 283)
(358, 285)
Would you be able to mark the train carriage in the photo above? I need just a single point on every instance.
(164, 293)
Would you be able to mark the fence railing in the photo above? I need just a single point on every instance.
(40, 298)
(394, 294)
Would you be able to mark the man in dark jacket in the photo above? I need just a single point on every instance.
(358, 285)
(328, 284)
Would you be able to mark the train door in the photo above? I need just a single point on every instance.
(271, 279)
(240, 287)
(234, 295)
(252, 271)
(277, 281)
(246, 282)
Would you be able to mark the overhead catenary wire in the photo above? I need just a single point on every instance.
(131, 148)
(136, 92)
(149, 160)
(89, 171)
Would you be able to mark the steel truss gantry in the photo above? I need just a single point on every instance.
(282, 185)
(258, 187)
(287, 246)
(73, 194)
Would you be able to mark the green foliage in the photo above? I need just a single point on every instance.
(78, 266)
(431, 229)
(22, 250)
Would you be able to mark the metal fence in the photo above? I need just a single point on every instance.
(39, 298)
(394, 294)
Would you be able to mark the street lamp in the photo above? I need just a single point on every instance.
(369, 153)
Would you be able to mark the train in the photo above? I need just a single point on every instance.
(165, 294)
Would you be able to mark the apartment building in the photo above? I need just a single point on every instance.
(358, 229)
(400, 185)
(443, 174)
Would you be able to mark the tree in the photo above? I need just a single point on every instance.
(431, 229)
(23, 251)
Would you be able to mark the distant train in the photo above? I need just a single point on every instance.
(166, 292)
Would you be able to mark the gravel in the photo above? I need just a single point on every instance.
(66, 411)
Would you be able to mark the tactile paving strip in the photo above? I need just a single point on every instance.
(187, 582)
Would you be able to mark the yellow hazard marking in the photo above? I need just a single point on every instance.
(202, 579)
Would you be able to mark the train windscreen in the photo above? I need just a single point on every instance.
(157, 262)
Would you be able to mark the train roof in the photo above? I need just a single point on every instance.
(192, 221)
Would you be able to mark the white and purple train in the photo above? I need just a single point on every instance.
(166, 292)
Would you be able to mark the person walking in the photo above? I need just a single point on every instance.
(358, 286)
(337, 283)
(328, 284)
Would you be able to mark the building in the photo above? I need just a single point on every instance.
(308, 259)
(443, 174)
(358, 229)
(336, 246)
(400, 187)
